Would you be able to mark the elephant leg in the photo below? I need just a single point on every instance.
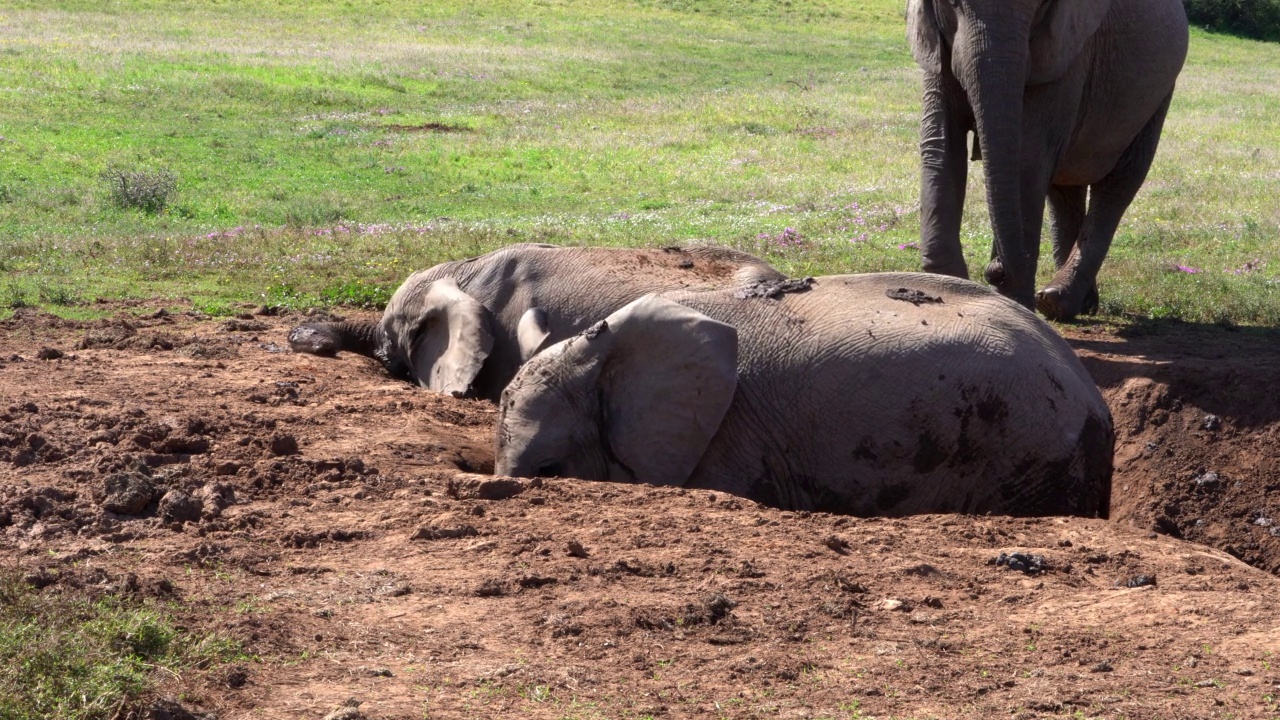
(1066, 219)
(943, 174)
(1066, 215)
(1065, 297)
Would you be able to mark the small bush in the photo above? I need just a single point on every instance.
(315, 211)
(58, 294)
(147, 190)
(13, 295)
(1258, 19)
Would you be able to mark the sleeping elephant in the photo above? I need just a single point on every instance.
(458, 327)
(1067, 99)
(881, 394)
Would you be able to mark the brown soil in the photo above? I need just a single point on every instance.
(339, 525)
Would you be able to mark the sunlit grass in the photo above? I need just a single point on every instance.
(453, 128)
(73, 658)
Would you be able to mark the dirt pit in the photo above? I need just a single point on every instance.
(339, 525)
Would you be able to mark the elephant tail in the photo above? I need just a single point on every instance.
(330, 338)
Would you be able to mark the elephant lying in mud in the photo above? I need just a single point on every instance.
(459, 327)
(881, 394)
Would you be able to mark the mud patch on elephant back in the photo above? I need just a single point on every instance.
(915, 297)
(775, 289)
(930, 453)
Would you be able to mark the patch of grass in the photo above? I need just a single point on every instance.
(359, 294)
(68, 657)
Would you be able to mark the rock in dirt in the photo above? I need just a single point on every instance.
(177, 506)
(837, 544)
(49, 353)
(1141, 581)
(1207, 480)
(575, 549)
(1022, 562)
(170, 709)
(229, 467)
(237, 677)
(350, 710)
(183, 445)
(466, 486)
(492, 587)
(284, 445)
(444, 526)
(128, 493)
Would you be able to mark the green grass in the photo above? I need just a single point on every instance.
(322, 151)
(71, 658)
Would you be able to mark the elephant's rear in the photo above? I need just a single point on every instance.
(1031, 428)
(1030, 433)
(928, 394)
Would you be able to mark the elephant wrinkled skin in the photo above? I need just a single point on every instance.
(464, 327)
(881, 394)
(1067, 99)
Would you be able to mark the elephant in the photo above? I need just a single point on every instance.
(458, 328)
(1067, 99)
(881, 394)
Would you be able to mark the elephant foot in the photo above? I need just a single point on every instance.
(1053, 303)
(1000, 280)
(1091, 301)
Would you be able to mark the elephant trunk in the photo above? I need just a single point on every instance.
(995, 81)
(330, 338)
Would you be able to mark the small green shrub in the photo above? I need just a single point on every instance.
(1258, 19)
(13, 295)
(56, 293)
(147, 190)
(314, 211)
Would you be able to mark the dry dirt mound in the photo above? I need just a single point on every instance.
(339, 525)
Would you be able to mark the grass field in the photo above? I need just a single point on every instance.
(318, 152)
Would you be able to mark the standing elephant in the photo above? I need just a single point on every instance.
(458, 327)
(881, 394)
(1065, 97)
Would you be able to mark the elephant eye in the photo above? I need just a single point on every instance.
(549, 470)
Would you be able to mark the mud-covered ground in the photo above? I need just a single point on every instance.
(340, 526)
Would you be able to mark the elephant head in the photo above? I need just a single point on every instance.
(635, 398)
(439, 332)
(995, 49)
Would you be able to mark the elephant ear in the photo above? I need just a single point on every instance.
(665, 386)
(923, 35)
(532, 333)
(1060, 35)
(442, 332)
